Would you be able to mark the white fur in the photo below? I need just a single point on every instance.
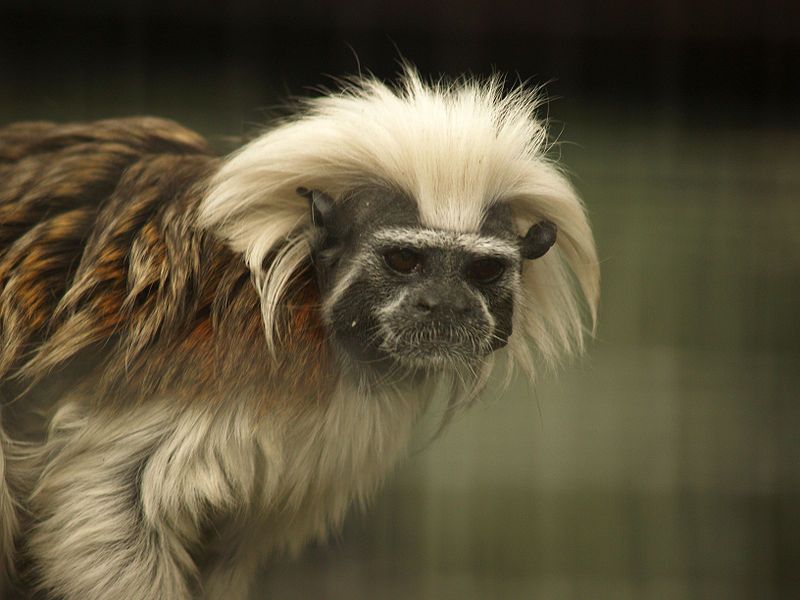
(432, 238)
(354, 270)
(144, 483)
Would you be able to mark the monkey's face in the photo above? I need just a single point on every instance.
(395, 291)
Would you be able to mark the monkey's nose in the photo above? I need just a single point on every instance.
(430, 303)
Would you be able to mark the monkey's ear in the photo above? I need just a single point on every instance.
(321, 206)
(538, 240)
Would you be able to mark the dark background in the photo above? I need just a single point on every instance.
(666, 463)
(734, 62)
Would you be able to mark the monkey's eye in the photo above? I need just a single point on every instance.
(486, 270)
(403, 260)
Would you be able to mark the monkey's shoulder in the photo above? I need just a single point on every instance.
(96, 220)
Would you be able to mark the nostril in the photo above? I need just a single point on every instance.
(426, 303)
(425, 306)
(460, 306)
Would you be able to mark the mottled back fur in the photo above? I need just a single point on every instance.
(98, 245)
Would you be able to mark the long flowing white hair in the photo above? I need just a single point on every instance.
(456, 148)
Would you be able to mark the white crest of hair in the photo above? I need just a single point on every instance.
(455, 148)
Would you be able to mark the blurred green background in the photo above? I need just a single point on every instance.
(663, 464)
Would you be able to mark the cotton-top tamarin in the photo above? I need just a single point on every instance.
(204, 360)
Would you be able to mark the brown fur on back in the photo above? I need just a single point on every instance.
(99, 254)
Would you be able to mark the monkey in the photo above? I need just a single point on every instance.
(206, 360)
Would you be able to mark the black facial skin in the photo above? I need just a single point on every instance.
(409, 304)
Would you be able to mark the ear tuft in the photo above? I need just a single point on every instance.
(321, 206)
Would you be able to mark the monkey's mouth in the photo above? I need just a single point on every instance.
(436, 344)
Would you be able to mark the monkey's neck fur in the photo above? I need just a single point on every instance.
(179, 421)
